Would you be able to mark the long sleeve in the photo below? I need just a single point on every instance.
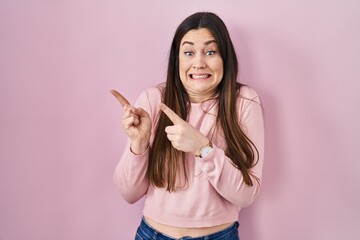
(130, 173)
(221, 173)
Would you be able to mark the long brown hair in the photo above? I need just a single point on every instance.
(164, 165)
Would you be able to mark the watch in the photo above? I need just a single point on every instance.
(205, 150)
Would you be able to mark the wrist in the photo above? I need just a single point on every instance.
(139, 148)
(205, 150)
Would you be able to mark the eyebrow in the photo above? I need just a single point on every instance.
(206, 43)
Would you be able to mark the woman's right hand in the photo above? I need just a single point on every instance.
(136, 123)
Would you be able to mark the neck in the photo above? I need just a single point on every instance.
(198, 98)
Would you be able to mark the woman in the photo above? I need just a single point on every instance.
(196, 142)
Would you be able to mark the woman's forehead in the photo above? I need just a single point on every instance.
(198, 36)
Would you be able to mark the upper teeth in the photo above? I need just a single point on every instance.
(200, 76)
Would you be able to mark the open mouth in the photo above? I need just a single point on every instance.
(199, 76)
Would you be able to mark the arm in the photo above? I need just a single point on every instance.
(130, 173)
(225, 178)
(228, 180)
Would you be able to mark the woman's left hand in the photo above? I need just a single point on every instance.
(182, 135)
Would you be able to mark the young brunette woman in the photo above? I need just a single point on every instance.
(196, 142)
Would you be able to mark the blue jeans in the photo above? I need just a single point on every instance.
(146, 232)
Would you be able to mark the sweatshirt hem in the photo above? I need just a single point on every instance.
(190, 222)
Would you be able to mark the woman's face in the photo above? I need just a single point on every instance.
(200, 65)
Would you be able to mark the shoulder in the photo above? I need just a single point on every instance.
(150, 99)
(151, 96)
(156, 91)
(248, 93)
(248, 100)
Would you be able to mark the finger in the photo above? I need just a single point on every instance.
(170, 113)
(174, 129)
(130, 122)
(136, 122)
(176, 146)
(123, 101)
(141, 112)
(129, 111)
(170, 137)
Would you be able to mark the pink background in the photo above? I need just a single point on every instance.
(60, 128)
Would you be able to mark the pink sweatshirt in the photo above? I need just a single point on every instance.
(216, 190)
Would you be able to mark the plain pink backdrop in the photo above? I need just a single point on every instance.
(60, 131)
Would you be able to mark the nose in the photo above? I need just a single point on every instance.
(199, 62)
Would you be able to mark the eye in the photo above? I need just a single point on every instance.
(211, 52)
(188, 53)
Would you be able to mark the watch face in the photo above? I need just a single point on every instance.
(205, 151)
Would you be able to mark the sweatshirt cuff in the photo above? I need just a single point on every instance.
(138, 155)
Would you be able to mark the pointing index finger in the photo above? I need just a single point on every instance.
(123, 101)
(171, 114)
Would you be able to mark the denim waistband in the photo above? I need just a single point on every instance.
(145, 231)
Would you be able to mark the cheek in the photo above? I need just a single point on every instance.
(219, 69)
(183, 67)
